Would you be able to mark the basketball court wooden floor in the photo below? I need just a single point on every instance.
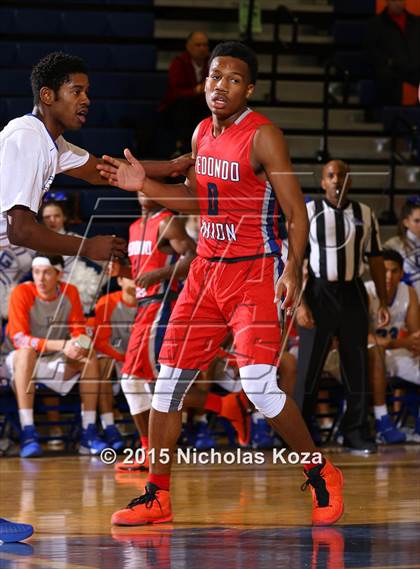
(226, 517)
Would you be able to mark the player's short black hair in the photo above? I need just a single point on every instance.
(54, 70)
(240, 51)
(391, 255)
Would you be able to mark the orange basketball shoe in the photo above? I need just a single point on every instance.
(133, 466)
(235, 408)
(326, 483)
(153, 507)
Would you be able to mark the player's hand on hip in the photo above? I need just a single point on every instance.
(181, 165)
(304, 316)
(104, 247)
(128, 175)
(383, 316)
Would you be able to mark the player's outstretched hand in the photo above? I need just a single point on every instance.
(181, 165)
(104, 247)
(128, 175)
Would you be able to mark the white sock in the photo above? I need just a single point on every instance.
(380, 411)
(107, 419)
(88, 418)
(26, 417)
(256, 416)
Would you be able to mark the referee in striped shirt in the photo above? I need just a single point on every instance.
(343, 235)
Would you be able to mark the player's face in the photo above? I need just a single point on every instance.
(333, 179)
(128, 286)
(53, 217)
(45, 279)
(71, 103)
(393, 275)
(412, 222)
(228, 86)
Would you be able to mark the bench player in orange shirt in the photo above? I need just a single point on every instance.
(47, 328)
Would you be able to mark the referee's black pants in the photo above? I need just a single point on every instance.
(339, 309)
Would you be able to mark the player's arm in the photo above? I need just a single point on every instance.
(104, 331)
(131, 176)
(24, 230)
(171, 232)
(271, 155)
(377, 271)
(153, 168)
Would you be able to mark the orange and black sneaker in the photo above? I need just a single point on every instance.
(326, 482)
(133, 466)
(153, 507)
(235, 408)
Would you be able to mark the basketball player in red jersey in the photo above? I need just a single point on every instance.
(242, 173)
(160, 253)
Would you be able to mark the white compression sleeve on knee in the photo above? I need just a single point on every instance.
(259, 382)
(137, 393)
(171, 388)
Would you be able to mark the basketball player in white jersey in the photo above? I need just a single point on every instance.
(33, 151)
(394, 350)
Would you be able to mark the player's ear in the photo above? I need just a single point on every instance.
(46, 95)
(249, 90)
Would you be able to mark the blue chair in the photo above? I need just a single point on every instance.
(130, 114)
(133, 57)
(95, 56)
(100, 141)
(362, 7)
(29, 53)
(131, 24)
(8, 52)
(13, 82)
(18, 106)
(86, 24)
(7, 21)
(38, 22)
(349, 33)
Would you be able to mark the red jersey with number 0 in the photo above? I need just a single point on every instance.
(145, 255)
(239, 214)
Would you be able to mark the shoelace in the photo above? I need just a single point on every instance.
(147, 499)
(318, 484)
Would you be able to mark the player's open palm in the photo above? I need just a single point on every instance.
(128, 175)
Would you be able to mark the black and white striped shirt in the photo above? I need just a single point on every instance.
(341, 239)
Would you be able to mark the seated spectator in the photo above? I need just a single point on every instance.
(47, 328)
(393, 46)
(407, 242)
(184, 103)
(114, 317)
(391, 355)
(87, 278)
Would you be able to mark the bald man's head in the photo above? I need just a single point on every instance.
(198, 47)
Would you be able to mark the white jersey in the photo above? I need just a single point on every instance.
(397, 311)
(15, 263)
(411, 256)
(29, 161)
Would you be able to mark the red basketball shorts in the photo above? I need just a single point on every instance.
(146, 339)
(219, 297)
